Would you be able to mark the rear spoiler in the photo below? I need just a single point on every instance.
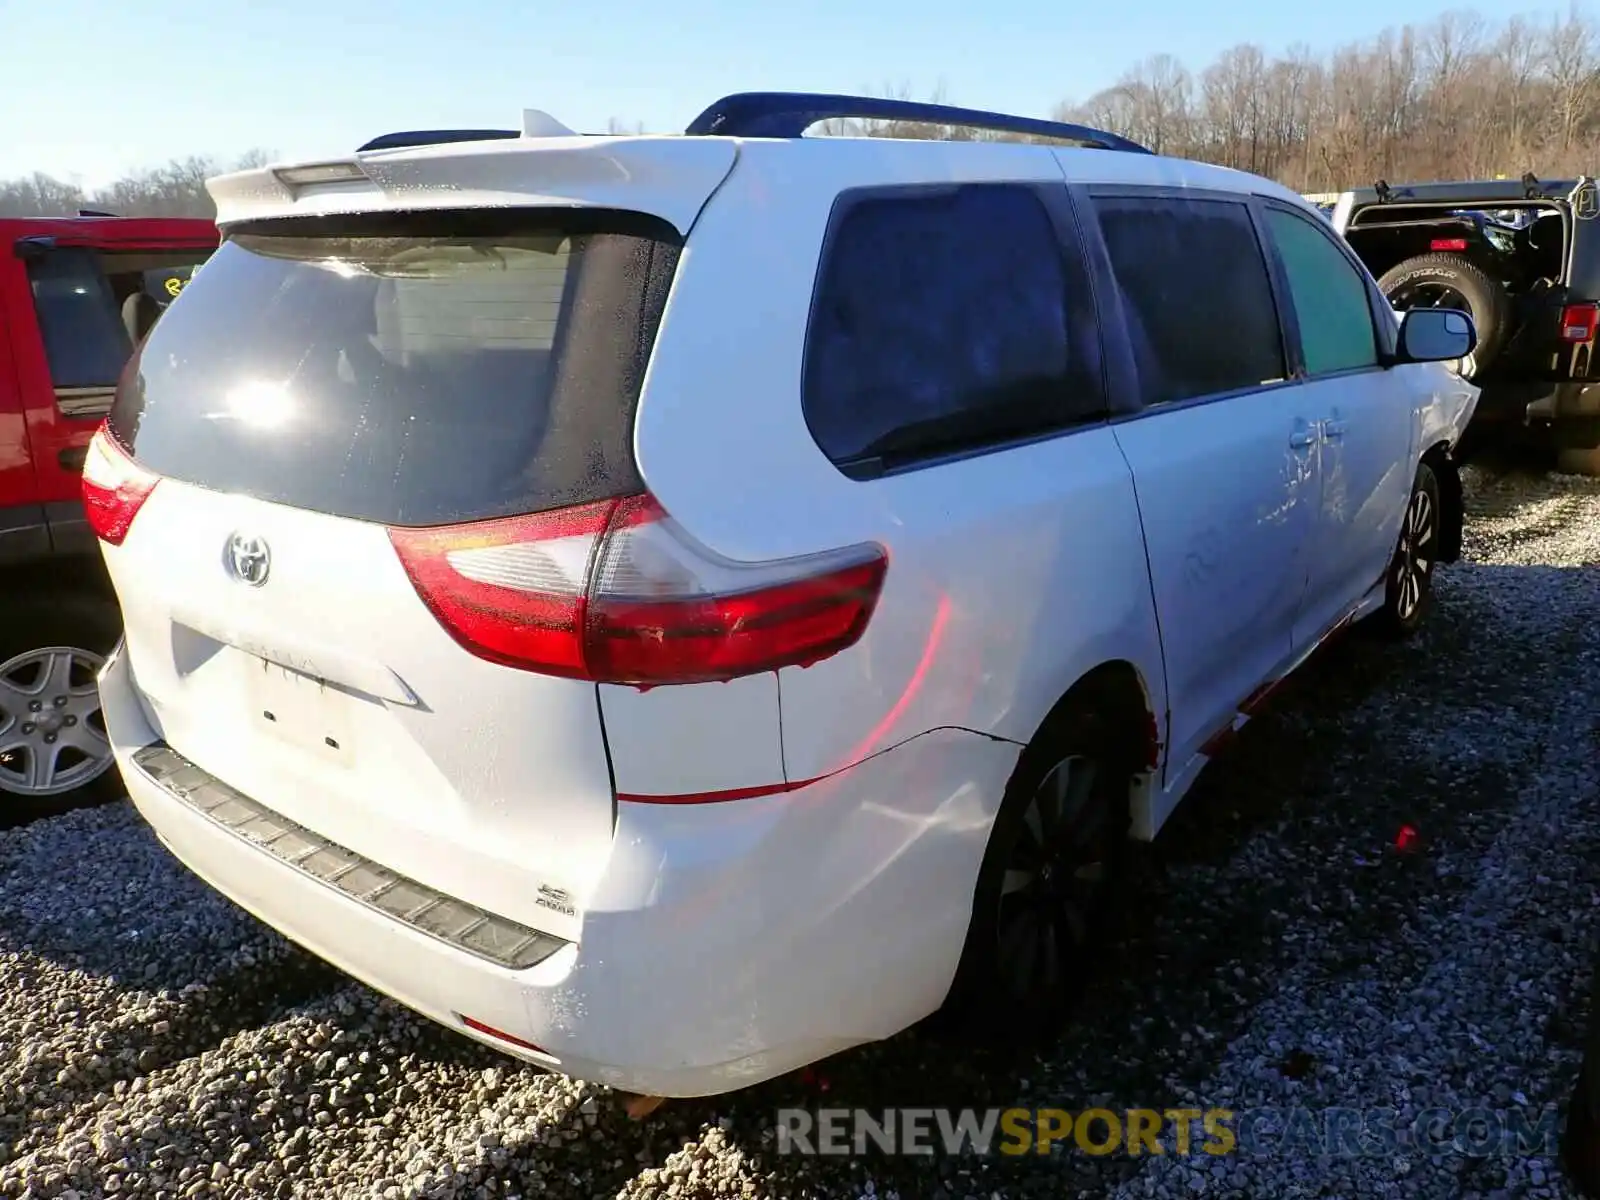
(670, 178)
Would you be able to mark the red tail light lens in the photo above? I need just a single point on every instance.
(114, 488)
(617, 592)
(514, 590)
(1448, 244)
(1579, 321)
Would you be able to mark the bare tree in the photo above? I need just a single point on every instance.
(1570, 68)
(39, 195)
(1232, 106)
(1457, 97)
(175, 190)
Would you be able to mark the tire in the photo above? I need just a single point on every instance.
(1076, 882)
(1578, 462)
(1408, 581)
(74, 632)
(1580, 1139)
(1447, 281)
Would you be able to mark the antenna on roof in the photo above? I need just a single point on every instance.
(537, 123)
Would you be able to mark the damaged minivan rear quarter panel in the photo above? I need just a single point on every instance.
(988, 613)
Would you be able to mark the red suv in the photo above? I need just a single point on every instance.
(76, 295)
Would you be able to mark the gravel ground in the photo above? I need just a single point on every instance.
(154, 1041)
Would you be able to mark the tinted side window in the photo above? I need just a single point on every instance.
(1196, 294)
(941, 322)
(1330, 297)
(79, 318)
(93, 307)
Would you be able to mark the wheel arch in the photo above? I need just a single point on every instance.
(1118, 689)
(1453, 518)
(1114, 688)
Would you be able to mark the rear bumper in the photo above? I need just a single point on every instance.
(727, 943)
(1501, 401)
(1568, 414)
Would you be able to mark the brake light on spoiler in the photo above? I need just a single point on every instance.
(114, 488)
(618, 592)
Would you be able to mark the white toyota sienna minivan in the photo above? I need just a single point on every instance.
(673, 608)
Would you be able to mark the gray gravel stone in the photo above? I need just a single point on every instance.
(1278, 952)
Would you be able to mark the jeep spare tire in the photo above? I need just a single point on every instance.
(1449, 281)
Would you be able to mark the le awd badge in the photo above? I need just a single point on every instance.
(556, 900)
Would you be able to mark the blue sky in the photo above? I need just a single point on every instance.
(107, 87)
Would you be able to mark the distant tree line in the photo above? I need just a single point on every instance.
(175, 190)
(1459, 97)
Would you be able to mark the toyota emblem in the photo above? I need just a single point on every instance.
(248, 559)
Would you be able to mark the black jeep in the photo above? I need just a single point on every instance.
(1523, 257)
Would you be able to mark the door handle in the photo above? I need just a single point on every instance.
(1302, 438)
(1333, 429)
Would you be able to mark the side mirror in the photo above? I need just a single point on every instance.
(1436, 335)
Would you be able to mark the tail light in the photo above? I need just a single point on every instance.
(114, 488)
(1448, 244)
(1579, 321)
(618, 592)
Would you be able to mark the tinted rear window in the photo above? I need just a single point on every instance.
(945, 322)
(411, 369)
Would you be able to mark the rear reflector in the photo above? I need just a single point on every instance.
(618, 592)
(1579, 321)
(114, 488)
(1448, 244)
(501, 1035)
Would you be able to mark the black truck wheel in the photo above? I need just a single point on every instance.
(1449, 281)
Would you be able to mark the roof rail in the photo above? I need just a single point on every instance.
(435, 137)
(790, 114)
